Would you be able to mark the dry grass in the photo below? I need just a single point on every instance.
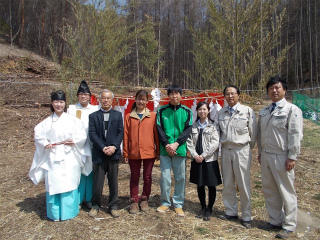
(23, 215)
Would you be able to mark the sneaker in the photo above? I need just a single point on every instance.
(93, 212)
(284, 234)
(268, 226)
(134, 208)
(114, 213)
(179, 212)
(162, 209)
(144, 206)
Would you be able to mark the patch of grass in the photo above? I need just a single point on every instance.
(316, 197)
(311, 132)
(257, 175)
(255, 194)
(202, 230)
(258, 184)
(257, 199)
(257, 203)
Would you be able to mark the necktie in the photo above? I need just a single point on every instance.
(231, 110)
(273, 107)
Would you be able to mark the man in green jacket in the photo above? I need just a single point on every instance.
(174, 122)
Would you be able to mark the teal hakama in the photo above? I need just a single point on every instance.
(62, 206)
(85, 188)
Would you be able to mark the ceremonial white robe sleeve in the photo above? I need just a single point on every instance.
(36, 173)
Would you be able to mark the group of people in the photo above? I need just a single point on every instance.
(76, 150)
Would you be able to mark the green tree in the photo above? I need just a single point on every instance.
(145, 59)
(97, 43)
(236, 38)
(150, 53)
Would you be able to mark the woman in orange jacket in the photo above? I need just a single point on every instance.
(140, 144)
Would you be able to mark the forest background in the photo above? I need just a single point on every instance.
(198, 44)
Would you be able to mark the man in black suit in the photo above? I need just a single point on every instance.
(106, 134)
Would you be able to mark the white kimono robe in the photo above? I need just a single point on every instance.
(60, 166)
(84, 116)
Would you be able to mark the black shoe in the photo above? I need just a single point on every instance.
(201, 213)
(284, 234)
(207, 215)
(88, 204)
(228, 217)
(268, 226)
(246, 224)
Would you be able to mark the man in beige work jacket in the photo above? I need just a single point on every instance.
(238, 130)
(279, 136)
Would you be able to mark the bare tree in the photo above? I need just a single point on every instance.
(316, 22)
(12, 34)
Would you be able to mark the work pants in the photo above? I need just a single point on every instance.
(279, 192)
(235, 166)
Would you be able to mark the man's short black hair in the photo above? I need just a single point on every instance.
(174, 88)
(233, 86)
(277, 79)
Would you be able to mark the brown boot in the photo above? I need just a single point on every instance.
(134, 208)
(93, 212)
(144, 205)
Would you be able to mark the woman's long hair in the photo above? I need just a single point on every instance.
(140, 93)
(200, 104)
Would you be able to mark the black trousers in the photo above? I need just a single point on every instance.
(109, 167)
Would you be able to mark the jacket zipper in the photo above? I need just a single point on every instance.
(139, 137)
(174, 124)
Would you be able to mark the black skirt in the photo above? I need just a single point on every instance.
(205, 173)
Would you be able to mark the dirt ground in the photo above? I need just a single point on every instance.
(23, 211)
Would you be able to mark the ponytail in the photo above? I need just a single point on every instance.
(134, 105)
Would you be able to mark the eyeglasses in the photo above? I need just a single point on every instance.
(231, 94)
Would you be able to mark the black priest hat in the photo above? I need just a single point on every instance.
(84, 88)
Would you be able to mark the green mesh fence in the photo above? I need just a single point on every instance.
(309, 106)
